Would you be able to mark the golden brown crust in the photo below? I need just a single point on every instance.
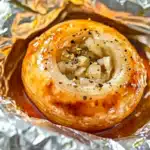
(65, 105)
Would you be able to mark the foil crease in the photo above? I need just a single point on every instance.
(18, 131)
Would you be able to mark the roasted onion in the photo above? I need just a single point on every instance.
(84, 75)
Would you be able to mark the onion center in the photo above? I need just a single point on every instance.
(87, 63)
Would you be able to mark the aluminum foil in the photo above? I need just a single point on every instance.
(18, 131)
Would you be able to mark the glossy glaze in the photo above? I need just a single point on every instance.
(64, 104)
(125, 128)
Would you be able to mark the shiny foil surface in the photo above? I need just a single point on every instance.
(20, 131)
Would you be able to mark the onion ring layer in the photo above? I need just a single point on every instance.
(84, 75)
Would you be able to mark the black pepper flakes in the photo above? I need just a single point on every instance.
(75, 86)
(84, 97)
(129, 69)
(89, 33)
(85, 29)
(90, 81)
(110, 84)
(75, 55)
(100, 85)
(125, 59)
(96, 31)
(76, 77)
(60, 82)
(75, 61)
(125, 50)
(72, 42)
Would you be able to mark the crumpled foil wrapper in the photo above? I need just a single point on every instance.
(18, 131)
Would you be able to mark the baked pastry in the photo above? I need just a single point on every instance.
(84, 75)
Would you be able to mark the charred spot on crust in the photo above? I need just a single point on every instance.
(84, 97)
(96, 103)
